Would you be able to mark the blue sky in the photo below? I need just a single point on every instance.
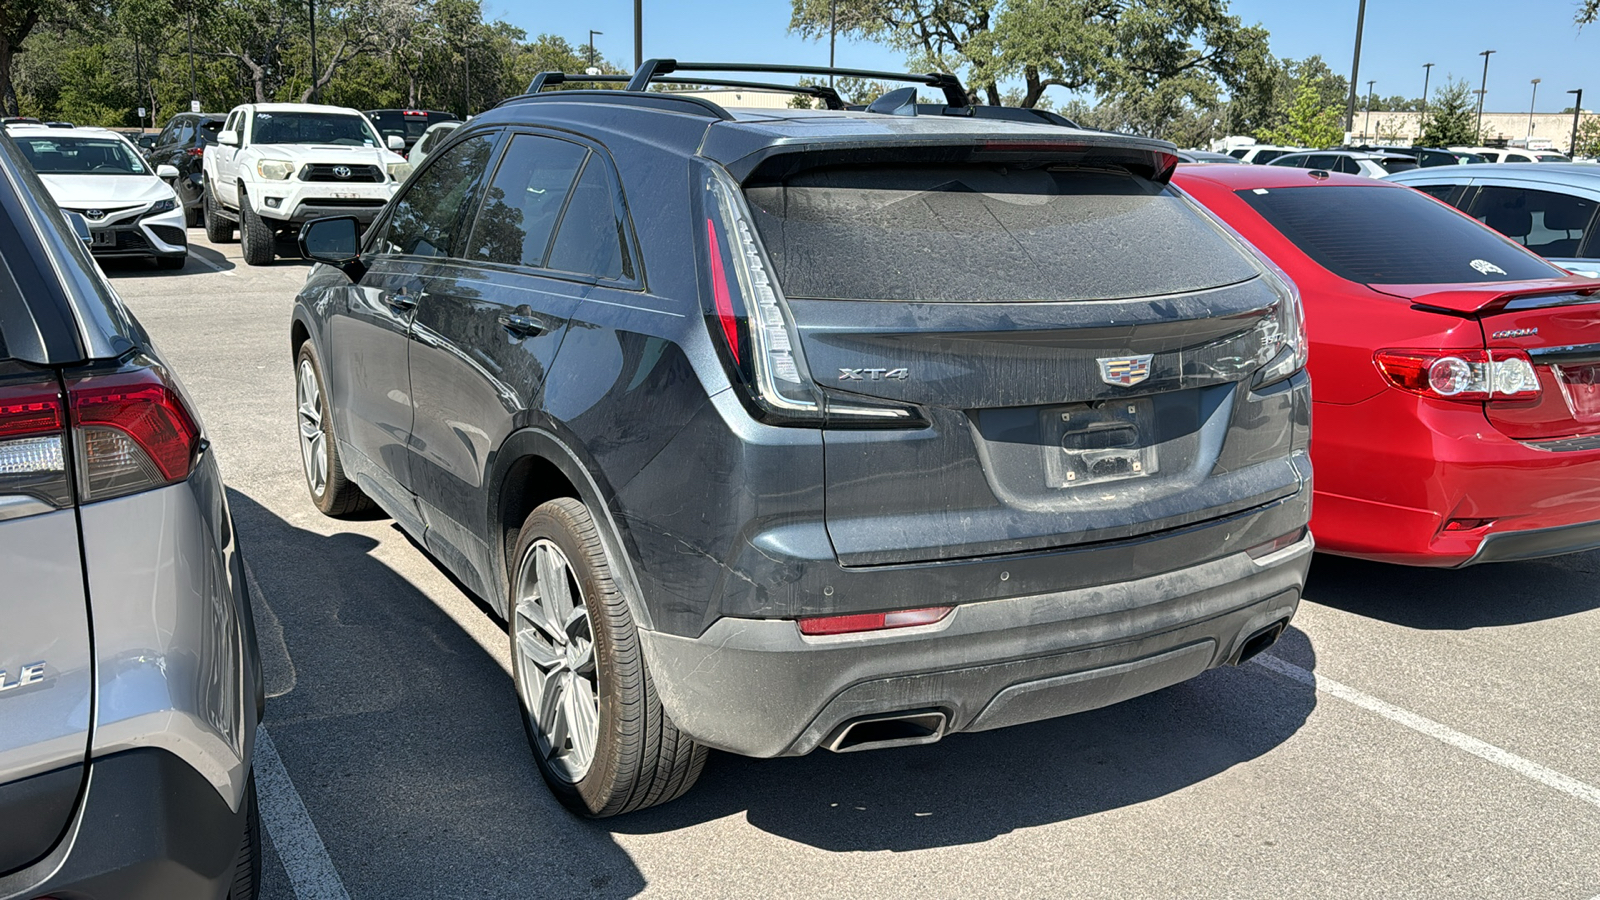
(1534, 39)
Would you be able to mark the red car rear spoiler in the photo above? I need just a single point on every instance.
(1490, 298)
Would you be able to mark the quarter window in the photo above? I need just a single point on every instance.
(429, 216)
(1548, 223)
(524, 201)
(589, 241)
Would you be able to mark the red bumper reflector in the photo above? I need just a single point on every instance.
(1274, 546)
(904, 618)
(1466, 524)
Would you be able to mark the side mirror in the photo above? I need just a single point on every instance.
(335, 240)
(229, 137)
(166, 172)
(397, 143)
(80, 226)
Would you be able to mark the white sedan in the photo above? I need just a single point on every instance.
(101, 176)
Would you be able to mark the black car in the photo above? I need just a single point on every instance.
(182, 145)
(778, 430)
(408, 124)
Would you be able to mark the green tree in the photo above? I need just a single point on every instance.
(1588, 138)
(1310, 121)
(1450, 120)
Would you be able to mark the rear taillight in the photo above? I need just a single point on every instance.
(196, 151)
(1472, 375)
(750, 320)
(853, 624)
(133, 433)
(33, 467)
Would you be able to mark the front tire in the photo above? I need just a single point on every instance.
(255, 236)
(333, 493)
(598, 732)
(218, 229)
(247, 868)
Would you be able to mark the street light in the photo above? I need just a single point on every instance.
(638, 34)
(592, 60)
(1355, 69)
(311, 7)
(1531, 101)
(1482, 90)
(833, 28)
(1577, 109)
(1427, 72)
(1366, 128)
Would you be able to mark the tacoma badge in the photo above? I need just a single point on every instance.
(1126, 371)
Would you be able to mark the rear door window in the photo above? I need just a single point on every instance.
(1324, 161)
(1548, 223)
(973, 234)
(524, 201)
(1382, 235)
(428, 217)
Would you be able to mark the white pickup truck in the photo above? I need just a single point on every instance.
(276, 166)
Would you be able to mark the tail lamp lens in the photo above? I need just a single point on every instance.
(852, 624)
(134, 433)
(32, 455)
(1476, 375)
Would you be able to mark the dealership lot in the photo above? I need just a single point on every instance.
(1416, 733)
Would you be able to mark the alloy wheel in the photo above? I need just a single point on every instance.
(556, 664)
(313, 440)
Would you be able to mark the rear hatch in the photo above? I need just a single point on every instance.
(1074, 338)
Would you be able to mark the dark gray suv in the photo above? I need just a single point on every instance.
(777, 430)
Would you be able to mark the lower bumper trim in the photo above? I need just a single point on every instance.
(1511, 546)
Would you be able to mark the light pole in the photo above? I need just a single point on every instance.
(833, 27)
(1355, 69)
(1366, 127)
(194, 98)
(1577, 110)
(1531, 101)
(1482, 90)
(1427, 72)
(638, 33)
(311, 7)
(592, 33)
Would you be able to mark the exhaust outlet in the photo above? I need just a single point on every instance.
(894, 730)
(1261, 640)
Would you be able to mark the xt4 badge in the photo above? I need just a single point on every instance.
(900, 374)
(1126, 371)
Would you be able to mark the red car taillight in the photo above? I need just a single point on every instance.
(133, 433)
(196, 151)
(1475, 375)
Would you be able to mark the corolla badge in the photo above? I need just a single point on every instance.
(1487, 268)
(1126, 371)
(32, 673)
(341, 171)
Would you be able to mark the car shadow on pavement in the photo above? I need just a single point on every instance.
(1483, 596)
(970, 788)
(401, 732)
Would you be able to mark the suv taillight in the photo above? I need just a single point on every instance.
(1473, 375)
(32, 454)
(133, 432)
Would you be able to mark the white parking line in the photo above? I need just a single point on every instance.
(1527, 768)
(293, 834)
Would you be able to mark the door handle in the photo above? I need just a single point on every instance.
(522, 325)
(402, 302)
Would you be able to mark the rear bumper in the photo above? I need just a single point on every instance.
(758, 688)
(149, 828)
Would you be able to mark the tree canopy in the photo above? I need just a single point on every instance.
(1450, 120)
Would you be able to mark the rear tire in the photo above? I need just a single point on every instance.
(255, 236)
(333, 493)
(598, 732)
(218, 229)
(247, 870)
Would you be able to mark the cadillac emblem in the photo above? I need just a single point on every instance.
(1126, 371)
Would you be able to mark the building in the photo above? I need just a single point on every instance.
(1403, 128)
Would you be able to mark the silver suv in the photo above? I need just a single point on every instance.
(129, 677)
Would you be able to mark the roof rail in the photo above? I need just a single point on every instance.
(826, 94)
(651, 71)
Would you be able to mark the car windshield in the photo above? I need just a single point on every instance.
(973, 234)
(1384, 235)
(52, 155)
(312, 128)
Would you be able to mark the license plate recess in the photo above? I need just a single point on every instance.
(1093, 443)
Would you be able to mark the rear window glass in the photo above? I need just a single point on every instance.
(1397, 165)
(1381, 235)
(979, 233)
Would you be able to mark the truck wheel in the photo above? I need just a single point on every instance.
(255, 236)
(601, 739)
(218, 229)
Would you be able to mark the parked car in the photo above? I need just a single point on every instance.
(1261, 154)
(1425, 157)
(407, 124)
(131, 211)
(874, 428)
(1458, 374)
(130, 686)
(431, 140)
(1350, 162)
(182, 145)
(1518, 155)
(276, 166)
(1486, 154)
(1550, 209)
(1206, 157)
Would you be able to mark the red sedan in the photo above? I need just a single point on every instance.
(1455, 375)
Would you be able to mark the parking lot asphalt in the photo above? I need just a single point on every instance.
(1415, 734)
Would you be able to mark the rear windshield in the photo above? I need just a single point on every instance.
(1396, 165)
(1550, 157)
(1381, 235)
(978, 233)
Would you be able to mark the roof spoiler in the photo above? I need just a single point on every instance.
(1492, 298)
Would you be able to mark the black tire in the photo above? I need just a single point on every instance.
(641, 759)
(218, 229)
(171, 262)
(339, 496)
(193, 217)
(255, 236)
(247, 869)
